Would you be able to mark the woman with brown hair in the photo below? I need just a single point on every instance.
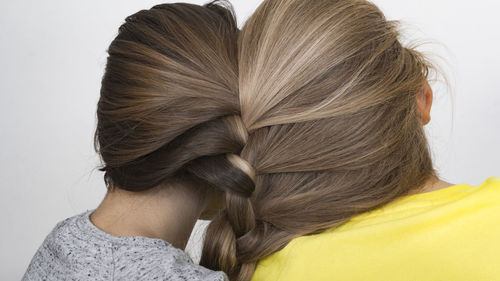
(343, 183)
(167, 106)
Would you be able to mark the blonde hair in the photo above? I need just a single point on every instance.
(328, 98)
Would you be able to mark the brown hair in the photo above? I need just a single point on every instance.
(328, 97)
(324, 112)
(169, 99)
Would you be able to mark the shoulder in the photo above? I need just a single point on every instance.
(491, 185)
(65, 252)
(484, 197)
(62, 237)
(462, 220)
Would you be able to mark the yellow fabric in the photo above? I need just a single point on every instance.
(450, 234)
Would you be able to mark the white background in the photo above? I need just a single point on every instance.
(52, 55)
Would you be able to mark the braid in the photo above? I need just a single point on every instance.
(234, 175)
(234, 238)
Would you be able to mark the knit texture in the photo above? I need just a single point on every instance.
(77, 250)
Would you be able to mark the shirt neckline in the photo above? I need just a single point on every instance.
(85, 226)
(423, 199)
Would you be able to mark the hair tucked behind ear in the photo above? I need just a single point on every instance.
(328, 95)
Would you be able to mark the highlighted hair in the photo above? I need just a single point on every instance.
(328, 96)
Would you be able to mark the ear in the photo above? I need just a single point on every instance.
(424, 103)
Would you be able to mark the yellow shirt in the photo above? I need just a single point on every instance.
(450, 234)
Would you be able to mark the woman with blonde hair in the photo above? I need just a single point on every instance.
(343, 186)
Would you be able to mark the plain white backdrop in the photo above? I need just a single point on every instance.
(52, 56)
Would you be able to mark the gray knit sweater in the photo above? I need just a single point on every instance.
(78, 250)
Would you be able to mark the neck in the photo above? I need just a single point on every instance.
(433, 184)
(164, 212)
